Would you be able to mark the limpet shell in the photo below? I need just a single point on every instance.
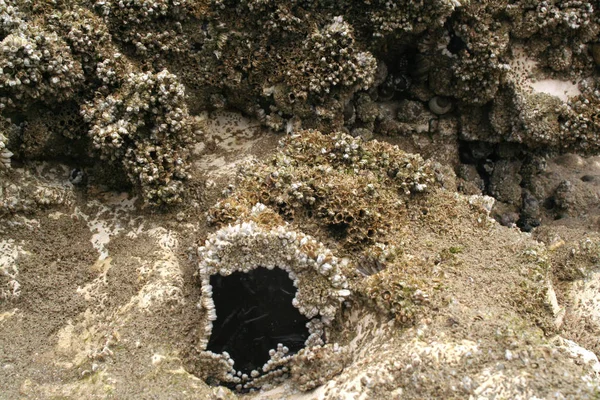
(440, 105)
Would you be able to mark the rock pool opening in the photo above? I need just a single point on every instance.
(254, 314)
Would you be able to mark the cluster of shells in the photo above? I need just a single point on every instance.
(336, 180)
(27, 191)
(34, 64)
(5, 154)
(315, 272)
(336, 64)
(144, 126)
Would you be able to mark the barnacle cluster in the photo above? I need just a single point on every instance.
(314, 270)
(35, 64)
(481, 42)
(315, 366)
(312, 81)
(351, 187)
(539, 120)
(144, 126)
(564, 27)
(398, 289)
(334, 63)
(5, 154)
(335, 70)
(559, 38)
(136, 120)
(25, 192)
(353, 195)
(413, 17)
(322, 65)
(579, 122)
(139, 24)
(91, 44)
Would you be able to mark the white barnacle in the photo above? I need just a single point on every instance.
(320, 259)
(325, 268)
(420, 187)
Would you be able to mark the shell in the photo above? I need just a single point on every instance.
(421, 68)
(440, 105)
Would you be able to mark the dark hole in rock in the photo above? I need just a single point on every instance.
(254, 314)
(590, 178)
(338, 231)
(480, 154)
(456, 44)
(549, 203)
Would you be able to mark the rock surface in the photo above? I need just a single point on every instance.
(426, 173)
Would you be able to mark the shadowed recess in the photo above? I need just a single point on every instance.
(254, 314)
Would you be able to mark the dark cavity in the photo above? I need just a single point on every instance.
(254, 314)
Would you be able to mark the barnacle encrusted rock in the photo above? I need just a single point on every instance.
(479, 47)
(391, 18)
(34, 64)
(315, 366)
(580, 126)
(337, 64)
(314, 270)
(404, 288)
(27, 191)
(144, 127)
(245, 55)
(350, 186)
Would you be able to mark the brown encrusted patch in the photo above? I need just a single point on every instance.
(436, 244)
(574, 254)
(351, 189)
(123, 278)
(58, 262)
